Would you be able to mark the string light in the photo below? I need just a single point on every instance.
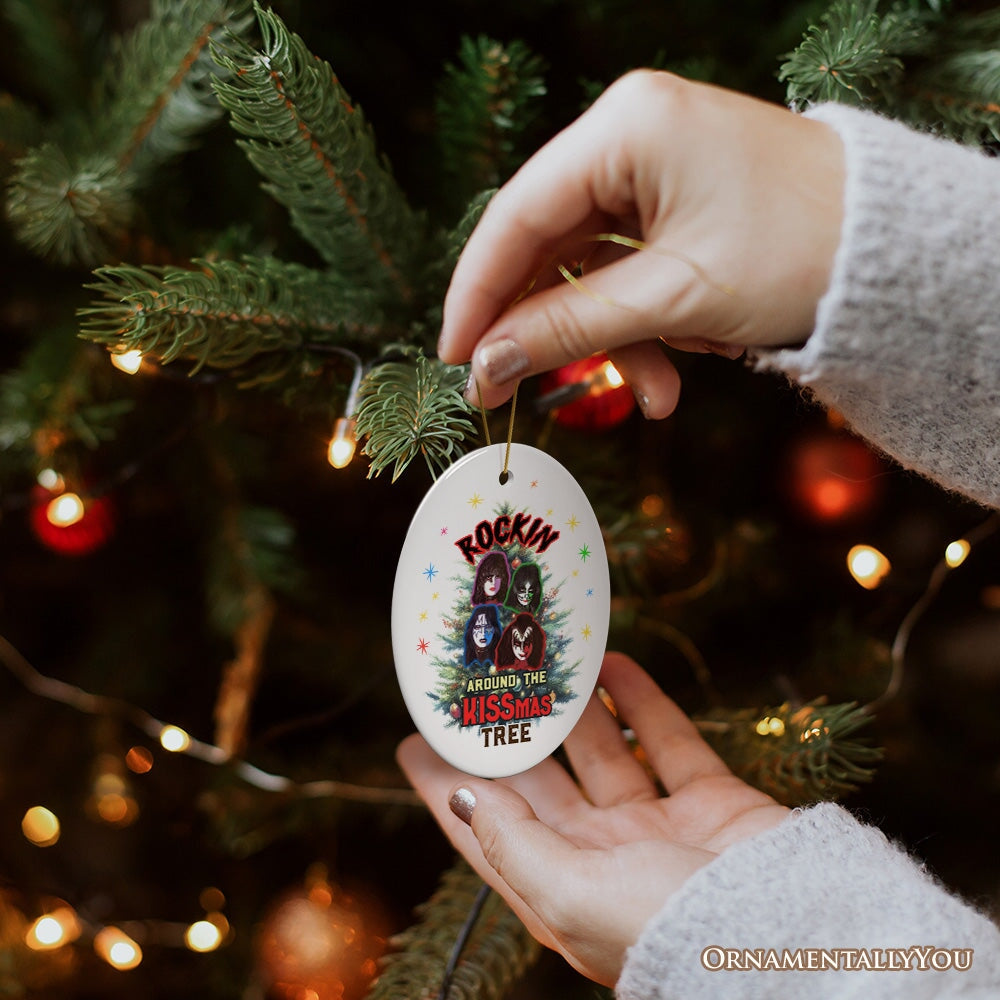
(174, 739)
(53, 930)
(343, 441)
(342, 444)
(64, 510)
(585, 382)
(117, 948)
(611, 377)
(771, 725)
(95, 704)
(50, 480)
(867, 565)
(127, 361)
(955, 553)
(203, 935)
(41, 826)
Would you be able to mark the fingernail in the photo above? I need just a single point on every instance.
(503, 361)
(730, 351)
(643, 400)
(462, 803)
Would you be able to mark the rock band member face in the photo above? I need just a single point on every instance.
(492, 578)
(522, 645)
(525, 592)
(482, 633)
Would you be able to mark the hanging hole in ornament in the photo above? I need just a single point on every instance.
(505, 477)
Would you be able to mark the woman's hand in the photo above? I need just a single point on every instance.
(739, 203)
(587, 863)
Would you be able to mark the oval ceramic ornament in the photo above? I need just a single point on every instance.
(500, 610)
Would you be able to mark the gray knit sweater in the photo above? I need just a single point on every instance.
(907, 348)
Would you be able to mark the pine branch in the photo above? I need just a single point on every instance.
(958, 91)
(797, 755)
(317, 155)
(408, 409)
(158, 90)
(51, 401)
(227, 314)
(498, 951)
(484, 106)
(855, 54)
(74, 203)
(69, 210)
(250, 558)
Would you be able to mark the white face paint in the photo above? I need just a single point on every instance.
(525, 593)
(491, 585)
(482, 631)
(522, 643)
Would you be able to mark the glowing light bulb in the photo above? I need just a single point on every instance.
(203, 936)
(46, 932)
(127, 361)
(770, 725)
(342, 444)
(955, 553)
(867, 565)
(40, 826)
(117, 948)
(64, 510)
(612, 377)
(174, 739)
(50, 479)
(53, 930)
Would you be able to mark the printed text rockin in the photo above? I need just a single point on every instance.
(505, 530)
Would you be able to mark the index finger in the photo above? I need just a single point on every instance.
(669, 738)
(565, 191)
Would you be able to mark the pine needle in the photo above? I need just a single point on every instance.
(317, 155)
(797, 755)
(226, 314)
(415, 408)
(497, 953)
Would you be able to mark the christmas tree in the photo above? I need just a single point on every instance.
(229, 230)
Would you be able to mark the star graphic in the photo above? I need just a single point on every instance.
(572, 522)
(585, 632)
(423, 616)
(422, 646)
(444, 531)
(534, 484)
(590, 592)
(576, 572)
(548, 513)
(430, 572)
(475, 500)
(435, 595)
(584, 552)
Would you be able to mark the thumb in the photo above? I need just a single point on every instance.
(636, 299)
(536, 867)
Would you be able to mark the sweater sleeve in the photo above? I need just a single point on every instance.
(820, 888)
(907, 337)
(907, 348)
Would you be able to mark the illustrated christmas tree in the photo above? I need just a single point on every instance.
(220, 407)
